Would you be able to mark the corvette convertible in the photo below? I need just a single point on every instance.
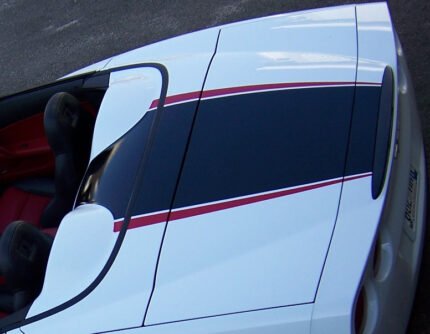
(266, 176)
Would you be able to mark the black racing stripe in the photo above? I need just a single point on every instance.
(247, 144)
(162, 171)
(241, 145)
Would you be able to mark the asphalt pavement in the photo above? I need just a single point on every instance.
(46, 39)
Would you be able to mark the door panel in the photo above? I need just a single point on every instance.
(258, 194)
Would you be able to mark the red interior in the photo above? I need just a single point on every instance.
(24, 150)
(25, 155)
(16, 204)
(52, 231)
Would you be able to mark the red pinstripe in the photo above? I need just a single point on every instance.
(180, 98)
(149, 219)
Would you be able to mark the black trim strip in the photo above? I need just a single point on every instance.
(383, 133)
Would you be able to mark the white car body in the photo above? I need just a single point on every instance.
(286, 260)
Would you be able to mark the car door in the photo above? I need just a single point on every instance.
(258, 195)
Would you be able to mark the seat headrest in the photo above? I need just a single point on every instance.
(62, 114)
(24, 252)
